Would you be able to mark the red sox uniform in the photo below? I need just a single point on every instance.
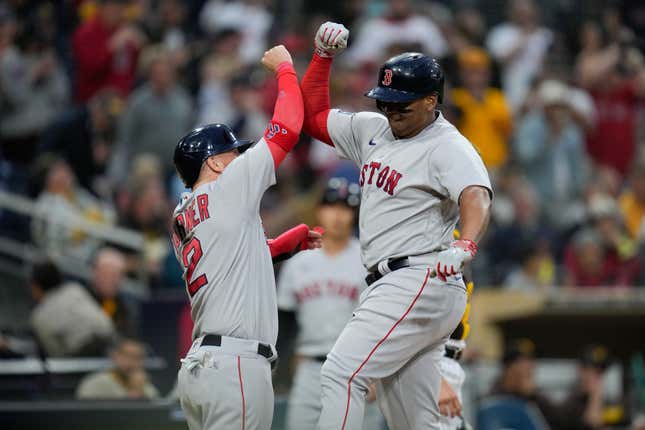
(323, 292)
(410, 190)
(409, 207)
(230, 281)
(225, 380)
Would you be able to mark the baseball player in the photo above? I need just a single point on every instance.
(419, 177)
(319, 290)
(225, 380)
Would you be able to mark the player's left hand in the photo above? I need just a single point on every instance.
(314, 239)
(451, 261)
(449, 404)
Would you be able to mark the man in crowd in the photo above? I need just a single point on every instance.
(107, 278)
(66, 320)
(105, 52)
(126, 380)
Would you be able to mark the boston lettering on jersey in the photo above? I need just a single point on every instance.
(328, 288)
(384, 177)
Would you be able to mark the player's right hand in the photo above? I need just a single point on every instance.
(276, 56)
(331, 39)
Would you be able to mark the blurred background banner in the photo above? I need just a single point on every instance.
(94, 95)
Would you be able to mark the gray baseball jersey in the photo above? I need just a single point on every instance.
(227, 264)
(323, 291)
(410, 187)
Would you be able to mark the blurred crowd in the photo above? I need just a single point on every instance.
(94, 95)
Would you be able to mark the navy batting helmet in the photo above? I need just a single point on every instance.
(194, 148)
(408, 77)
(340, 190)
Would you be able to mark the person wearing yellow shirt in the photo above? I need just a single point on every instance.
(485, 117)
(632, 201)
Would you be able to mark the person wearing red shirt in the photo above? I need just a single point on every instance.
(615, 79)
(105, 52)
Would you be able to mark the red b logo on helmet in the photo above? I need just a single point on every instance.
(387, 77)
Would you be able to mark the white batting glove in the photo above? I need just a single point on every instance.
(331, 39)
(451, 261)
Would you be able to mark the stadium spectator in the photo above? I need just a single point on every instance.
(126, 380)
(518, 380)
(484, 116)
(251, 18)
(61, 205)
(468, 29)
(66, 320)
(615, 77)
(536, 272)
(158, 113)
(549, 147)
(519, 230)
(145, 208)
(105, 50)
(217, 69)
(245, 114)
(400, 25)
(602, 254)
(632, 200)
(168, 28)
(85, 137)
(586, 262)
(584, 403)
(520, 46)
(33, 88)
(108, 274)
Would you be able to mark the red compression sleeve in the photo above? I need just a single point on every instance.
(315, 92)
(289, 241)
(284, 128)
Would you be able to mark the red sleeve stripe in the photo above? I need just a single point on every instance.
(239, 374)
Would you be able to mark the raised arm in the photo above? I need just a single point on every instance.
(330, 40)
(284, 128)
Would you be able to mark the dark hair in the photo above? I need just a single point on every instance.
(516, 349)
(46, 275)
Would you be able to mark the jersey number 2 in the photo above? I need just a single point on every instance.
(191, 254)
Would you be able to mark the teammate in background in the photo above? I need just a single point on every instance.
(419, 177)
(319, 290)
(225, 380)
